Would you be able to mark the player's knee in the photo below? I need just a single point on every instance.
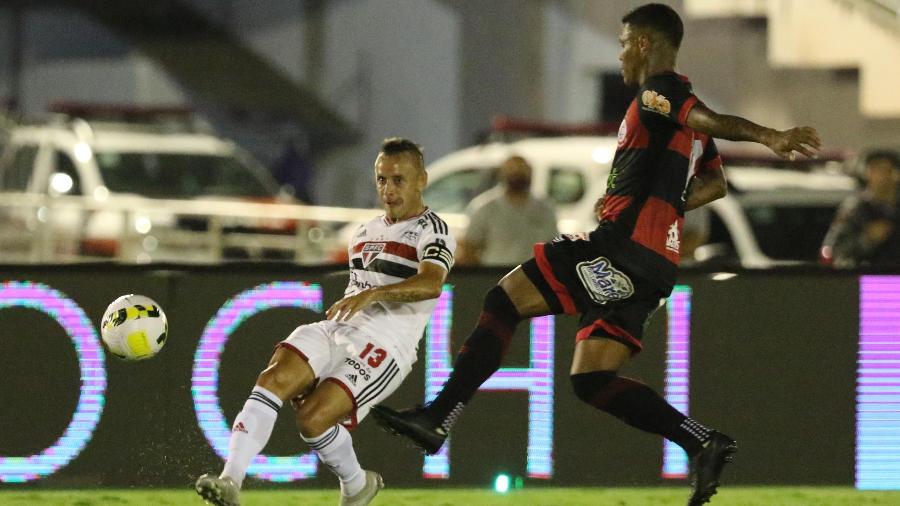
(312, 421)
(589, 385)
(498, 303)
(278, 380)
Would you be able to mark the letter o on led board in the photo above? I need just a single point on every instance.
(93, 380)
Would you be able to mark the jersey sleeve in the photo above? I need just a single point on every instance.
(437, 245)
(665, 101)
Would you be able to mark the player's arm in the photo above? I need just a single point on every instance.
(425, 284)
(705, 187)
(803, 140)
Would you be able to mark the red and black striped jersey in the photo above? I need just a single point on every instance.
(656, 156)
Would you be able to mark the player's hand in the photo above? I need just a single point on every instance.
(803, 140)
(345, 308)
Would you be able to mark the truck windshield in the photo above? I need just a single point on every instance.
(180, 176)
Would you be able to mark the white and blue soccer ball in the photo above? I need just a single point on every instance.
(134, 327)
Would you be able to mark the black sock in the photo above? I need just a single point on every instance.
(479, 358)
(641, 407)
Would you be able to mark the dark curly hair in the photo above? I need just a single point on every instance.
(659, 18)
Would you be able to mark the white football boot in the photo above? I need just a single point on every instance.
(374, 483)
(219, 491)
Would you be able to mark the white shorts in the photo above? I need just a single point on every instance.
(337, 352)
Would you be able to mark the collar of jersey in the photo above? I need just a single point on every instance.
(389, 222)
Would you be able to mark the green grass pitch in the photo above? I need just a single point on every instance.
(728, 496)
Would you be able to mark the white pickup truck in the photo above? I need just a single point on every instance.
(135, 191)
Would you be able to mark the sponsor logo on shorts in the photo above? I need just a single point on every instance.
(363, 371)
(370, 251)
(351, 378)
(603, 282)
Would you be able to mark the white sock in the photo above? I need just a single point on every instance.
(335, 450)
(251, 431)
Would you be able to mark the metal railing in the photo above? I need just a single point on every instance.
(36, 228)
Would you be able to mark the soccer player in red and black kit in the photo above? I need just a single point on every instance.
(666, 163)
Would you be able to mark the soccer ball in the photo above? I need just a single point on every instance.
(134, 327)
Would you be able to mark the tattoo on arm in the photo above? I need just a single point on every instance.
(406, 296)
(724, 126)
(422, 286)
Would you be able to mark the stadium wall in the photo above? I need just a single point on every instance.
(769, 357)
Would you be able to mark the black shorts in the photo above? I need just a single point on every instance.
(576, 275)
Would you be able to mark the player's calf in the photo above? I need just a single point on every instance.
(641, 407)
(480, 356)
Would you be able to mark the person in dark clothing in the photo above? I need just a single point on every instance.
(866, 230)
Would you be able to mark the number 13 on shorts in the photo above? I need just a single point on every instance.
(370, 377)
(377, 357)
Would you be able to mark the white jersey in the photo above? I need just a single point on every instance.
(384, 253)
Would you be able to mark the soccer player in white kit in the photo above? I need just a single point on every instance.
(360, 354)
